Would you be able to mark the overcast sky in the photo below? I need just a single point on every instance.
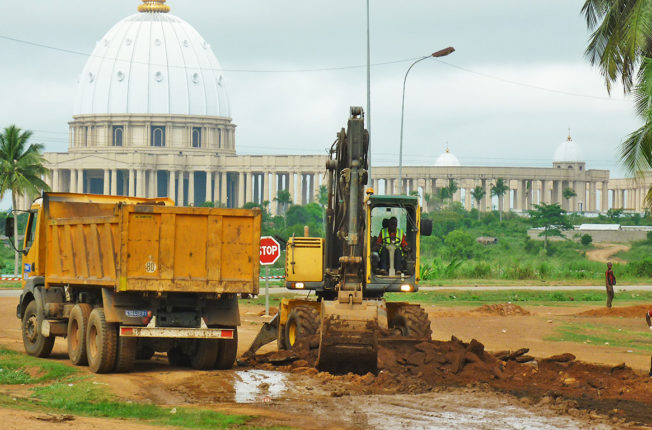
(279, 110)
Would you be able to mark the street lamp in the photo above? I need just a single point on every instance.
(441, 53)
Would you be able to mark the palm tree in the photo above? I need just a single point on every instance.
(499, 189)
(621, 47)
(478, 194)
(21, 168)
(283, 199)
(568, 194)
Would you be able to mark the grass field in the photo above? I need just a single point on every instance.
(58, 388)
(634, 340)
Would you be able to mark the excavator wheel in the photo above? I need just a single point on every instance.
(302, 321)
(411, 321)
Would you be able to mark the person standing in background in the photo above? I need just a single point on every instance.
(610, 280)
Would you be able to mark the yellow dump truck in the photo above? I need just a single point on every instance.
(122, 278)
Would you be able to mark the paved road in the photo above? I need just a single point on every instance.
(619, 288)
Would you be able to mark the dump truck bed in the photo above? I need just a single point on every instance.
(151, 247)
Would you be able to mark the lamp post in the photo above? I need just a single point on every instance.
(441, 53)
(368, 100)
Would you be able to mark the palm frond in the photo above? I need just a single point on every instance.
(636, 150)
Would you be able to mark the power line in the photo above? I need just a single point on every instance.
(522, 84)
(317, 69)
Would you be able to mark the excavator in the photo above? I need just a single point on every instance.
(348, 314)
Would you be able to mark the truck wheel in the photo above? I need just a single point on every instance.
(126, 356)
(77, 326)
(205, 355)
(35, 343)
(303, 321)
(227, 351)
(178, 358)
(101, 342)
(412, 321)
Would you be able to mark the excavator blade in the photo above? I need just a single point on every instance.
(349, 337)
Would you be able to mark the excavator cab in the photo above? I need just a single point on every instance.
(392, 255)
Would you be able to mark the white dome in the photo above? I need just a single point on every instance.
(152, 63)
(447, 159)
(568, 152)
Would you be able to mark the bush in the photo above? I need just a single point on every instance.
(642, 268)
(459, 243)
(586, 239)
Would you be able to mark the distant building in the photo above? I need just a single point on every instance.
(152, 118)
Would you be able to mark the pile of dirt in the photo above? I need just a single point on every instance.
(502, 309)
(637, 311)
(412, 367)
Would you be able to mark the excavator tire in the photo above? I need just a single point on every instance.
(412, 321)
(302, 321)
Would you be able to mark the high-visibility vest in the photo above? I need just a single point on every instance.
(387, 239)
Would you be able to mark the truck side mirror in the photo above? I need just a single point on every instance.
(9, 226)
(426, 227)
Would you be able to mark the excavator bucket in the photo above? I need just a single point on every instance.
(349, 337)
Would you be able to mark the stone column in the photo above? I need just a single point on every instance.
(140, 183)
(131, 181)
(114, 182)
(180, 186)
(191, 188)
(241, 190)
(224, 176)
(265, 185)
(518, 195)
(593, 196)
(273, 205)
(55, 180)
(604, 196)
(209, 186)
(216, 188)
(172, 185)
(248, 189)
(487, 196)
(106, 182)
(467, 198)
(154, 174)
(293, 198)
(545, 194)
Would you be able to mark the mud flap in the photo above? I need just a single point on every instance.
(348, 337)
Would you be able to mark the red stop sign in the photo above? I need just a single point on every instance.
(270, 250)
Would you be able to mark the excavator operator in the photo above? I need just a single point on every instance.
(391, 235)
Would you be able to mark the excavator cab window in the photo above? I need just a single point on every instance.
(399, 242)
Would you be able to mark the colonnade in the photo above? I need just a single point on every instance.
(194, 187)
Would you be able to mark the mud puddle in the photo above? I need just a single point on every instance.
(256, 385)
(455, 409)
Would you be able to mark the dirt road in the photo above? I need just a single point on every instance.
(604, 251)
(303, 398)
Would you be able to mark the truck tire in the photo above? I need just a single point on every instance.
(126, 356)
(101, 342)
(227, 352)
(412, 321)
(35, 343)
(302, 321)
(77, 326)
(205, 355)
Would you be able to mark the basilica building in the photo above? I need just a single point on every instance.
(152, 118)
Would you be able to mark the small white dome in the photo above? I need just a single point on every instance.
(152, 63)
(447, 159)
(568, 152)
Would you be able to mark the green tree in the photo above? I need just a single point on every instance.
(323, 196)
(499, 189)
(614, 214)
(478, 194)
(552, 218)
(21, 168)
(568, 194)
(283, 199)
(621, 47)
(460, 244)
